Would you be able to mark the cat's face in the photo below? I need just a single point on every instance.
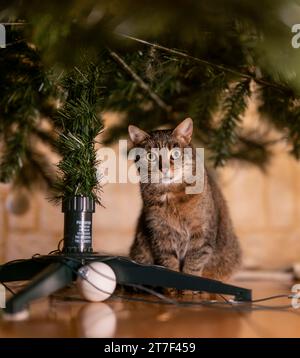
(165, 157)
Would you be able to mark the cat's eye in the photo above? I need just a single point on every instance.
(151, 157)
(175, 154)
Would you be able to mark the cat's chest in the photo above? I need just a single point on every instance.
(181, 215)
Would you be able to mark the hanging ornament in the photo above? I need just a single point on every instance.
(18, 201)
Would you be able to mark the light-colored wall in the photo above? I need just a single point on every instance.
(265, 210)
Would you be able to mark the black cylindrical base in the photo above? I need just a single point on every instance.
(78, 224)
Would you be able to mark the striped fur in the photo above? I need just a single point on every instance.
(191, 233)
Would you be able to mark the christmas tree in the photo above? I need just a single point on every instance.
(65, 63)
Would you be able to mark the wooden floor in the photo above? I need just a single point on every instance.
(65, 315)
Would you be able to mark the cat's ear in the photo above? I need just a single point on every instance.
(136, 134)
(183, 132)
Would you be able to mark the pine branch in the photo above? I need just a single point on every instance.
(36, 172)
(253, 148)
(205, 102)
(44, 136)
(208, 63)
(12, 158)
(283, 112)
(78, 123)
(225, 136)
(23, 88)
(141, 83)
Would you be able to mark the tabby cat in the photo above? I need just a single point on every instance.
(185, 232)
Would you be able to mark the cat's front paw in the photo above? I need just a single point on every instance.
(189, 292)
(205, 296)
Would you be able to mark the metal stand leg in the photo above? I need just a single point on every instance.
(130, 272)
(52, 278)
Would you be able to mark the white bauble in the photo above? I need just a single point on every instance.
(96, 281)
